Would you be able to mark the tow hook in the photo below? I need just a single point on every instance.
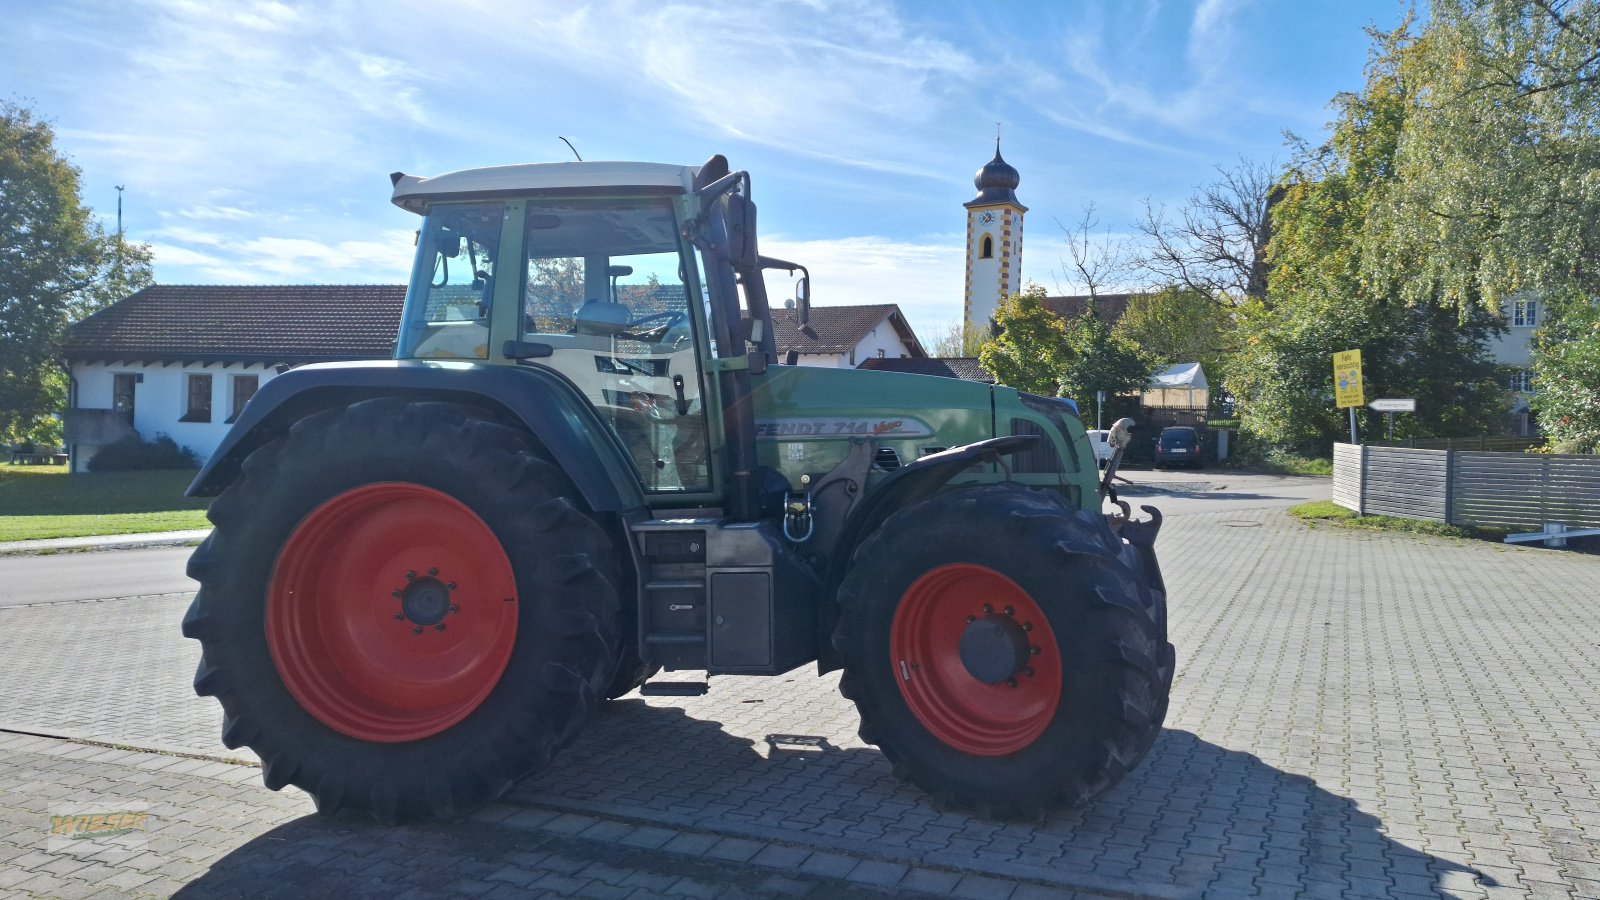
(798, 522)
(1141, 535)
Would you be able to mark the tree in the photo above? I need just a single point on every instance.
(1324, 298)
(1039, 352)
(955, 339)
(555, 291)
(1176, 325)
(1094, 260)
(1496, 191)
(56, 265)
(1100, 360)
(1032, 350)
(1493, 189)
(1216, 246)
(1566, 368)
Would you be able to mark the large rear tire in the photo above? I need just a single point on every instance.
(1001, 651)
(403, 609)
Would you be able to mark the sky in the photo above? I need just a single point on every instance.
(254, 139)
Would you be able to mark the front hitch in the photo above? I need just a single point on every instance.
(1141, 534)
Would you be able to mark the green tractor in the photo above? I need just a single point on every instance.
(586, 465)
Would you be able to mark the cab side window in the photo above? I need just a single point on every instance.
(604, 288)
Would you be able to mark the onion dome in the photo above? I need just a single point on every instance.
(996, 182)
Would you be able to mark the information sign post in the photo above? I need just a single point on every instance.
(1348, 390)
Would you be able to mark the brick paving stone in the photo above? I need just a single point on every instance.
(1350, 709)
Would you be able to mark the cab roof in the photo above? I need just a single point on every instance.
(563, 179)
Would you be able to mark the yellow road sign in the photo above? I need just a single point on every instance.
(1348, 389)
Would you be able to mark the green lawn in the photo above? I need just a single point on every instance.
(1327, 511)
(46, 502)
(1279, 464)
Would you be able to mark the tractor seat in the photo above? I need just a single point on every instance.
(602, 317)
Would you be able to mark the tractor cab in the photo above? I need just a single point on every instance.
(619, 276)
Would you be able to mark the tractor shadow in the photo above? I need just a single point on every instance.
(1193, 815)
(1194, 818)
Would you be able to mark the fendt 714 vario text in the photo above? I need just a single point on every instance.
(587, 465)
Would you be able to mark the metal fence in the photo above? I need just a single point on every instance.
(1481, 442)
(1467, 487)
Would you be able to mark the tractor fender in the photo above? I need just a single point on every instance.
(911, 483)
(536, 398)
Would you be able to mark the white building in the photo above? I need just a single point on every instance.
(1514, 351)
(182, 360)
(843, 337)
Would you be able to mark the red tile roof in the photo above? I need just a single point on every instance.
(839, 328)
(237, 323)
(1112, 306)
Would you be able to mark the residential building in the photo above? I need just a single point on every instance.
(843, 337)
(1513, 350)
(182, 360)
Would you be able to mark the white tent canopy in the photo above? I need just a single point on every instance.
(1179, 386)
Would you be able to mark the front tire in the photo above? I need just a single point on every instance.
(403, 609)
(1000, 653)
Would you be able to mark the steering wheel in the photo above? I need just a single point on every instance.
(671, 317)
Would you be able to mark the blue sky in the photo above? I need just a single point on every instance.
(255, 138)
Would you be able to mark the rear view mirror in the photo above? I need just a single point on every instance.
(802, 288)
(740, 215)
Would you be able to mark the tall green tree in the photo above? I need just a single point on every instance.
(1032, 349)
(1327, 294)
(1495, 188)
(1099, 360)
(56, 265)
(1496, 185)
(1567, 377)
(1040, 352)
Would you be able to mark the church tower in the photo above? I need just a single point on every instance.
(994, 241)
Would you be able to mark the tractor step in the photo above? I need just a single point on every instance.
(674, 689)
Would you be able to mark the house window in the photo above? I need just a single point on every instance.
(1525, 313)
(244, 387)
(122, 390)
(197, 407)
(986, 248)
(1522, 381)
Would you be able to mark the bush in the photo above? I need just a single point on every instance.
(132, 453)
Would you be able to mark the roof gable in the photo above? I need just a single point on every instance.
(839, 328)
(243, 323)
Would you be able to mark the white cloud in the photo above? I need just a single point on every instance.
(1124, 88)
(848, 83)
(928, 280)
(385, 257)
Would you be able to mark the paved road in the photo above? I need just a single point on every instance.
(59, 577)
(1354, 715)
(125, 573)
(1179, 492)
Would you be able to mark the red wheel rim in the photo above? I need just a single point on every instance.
(925, 643)
(391, 614)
